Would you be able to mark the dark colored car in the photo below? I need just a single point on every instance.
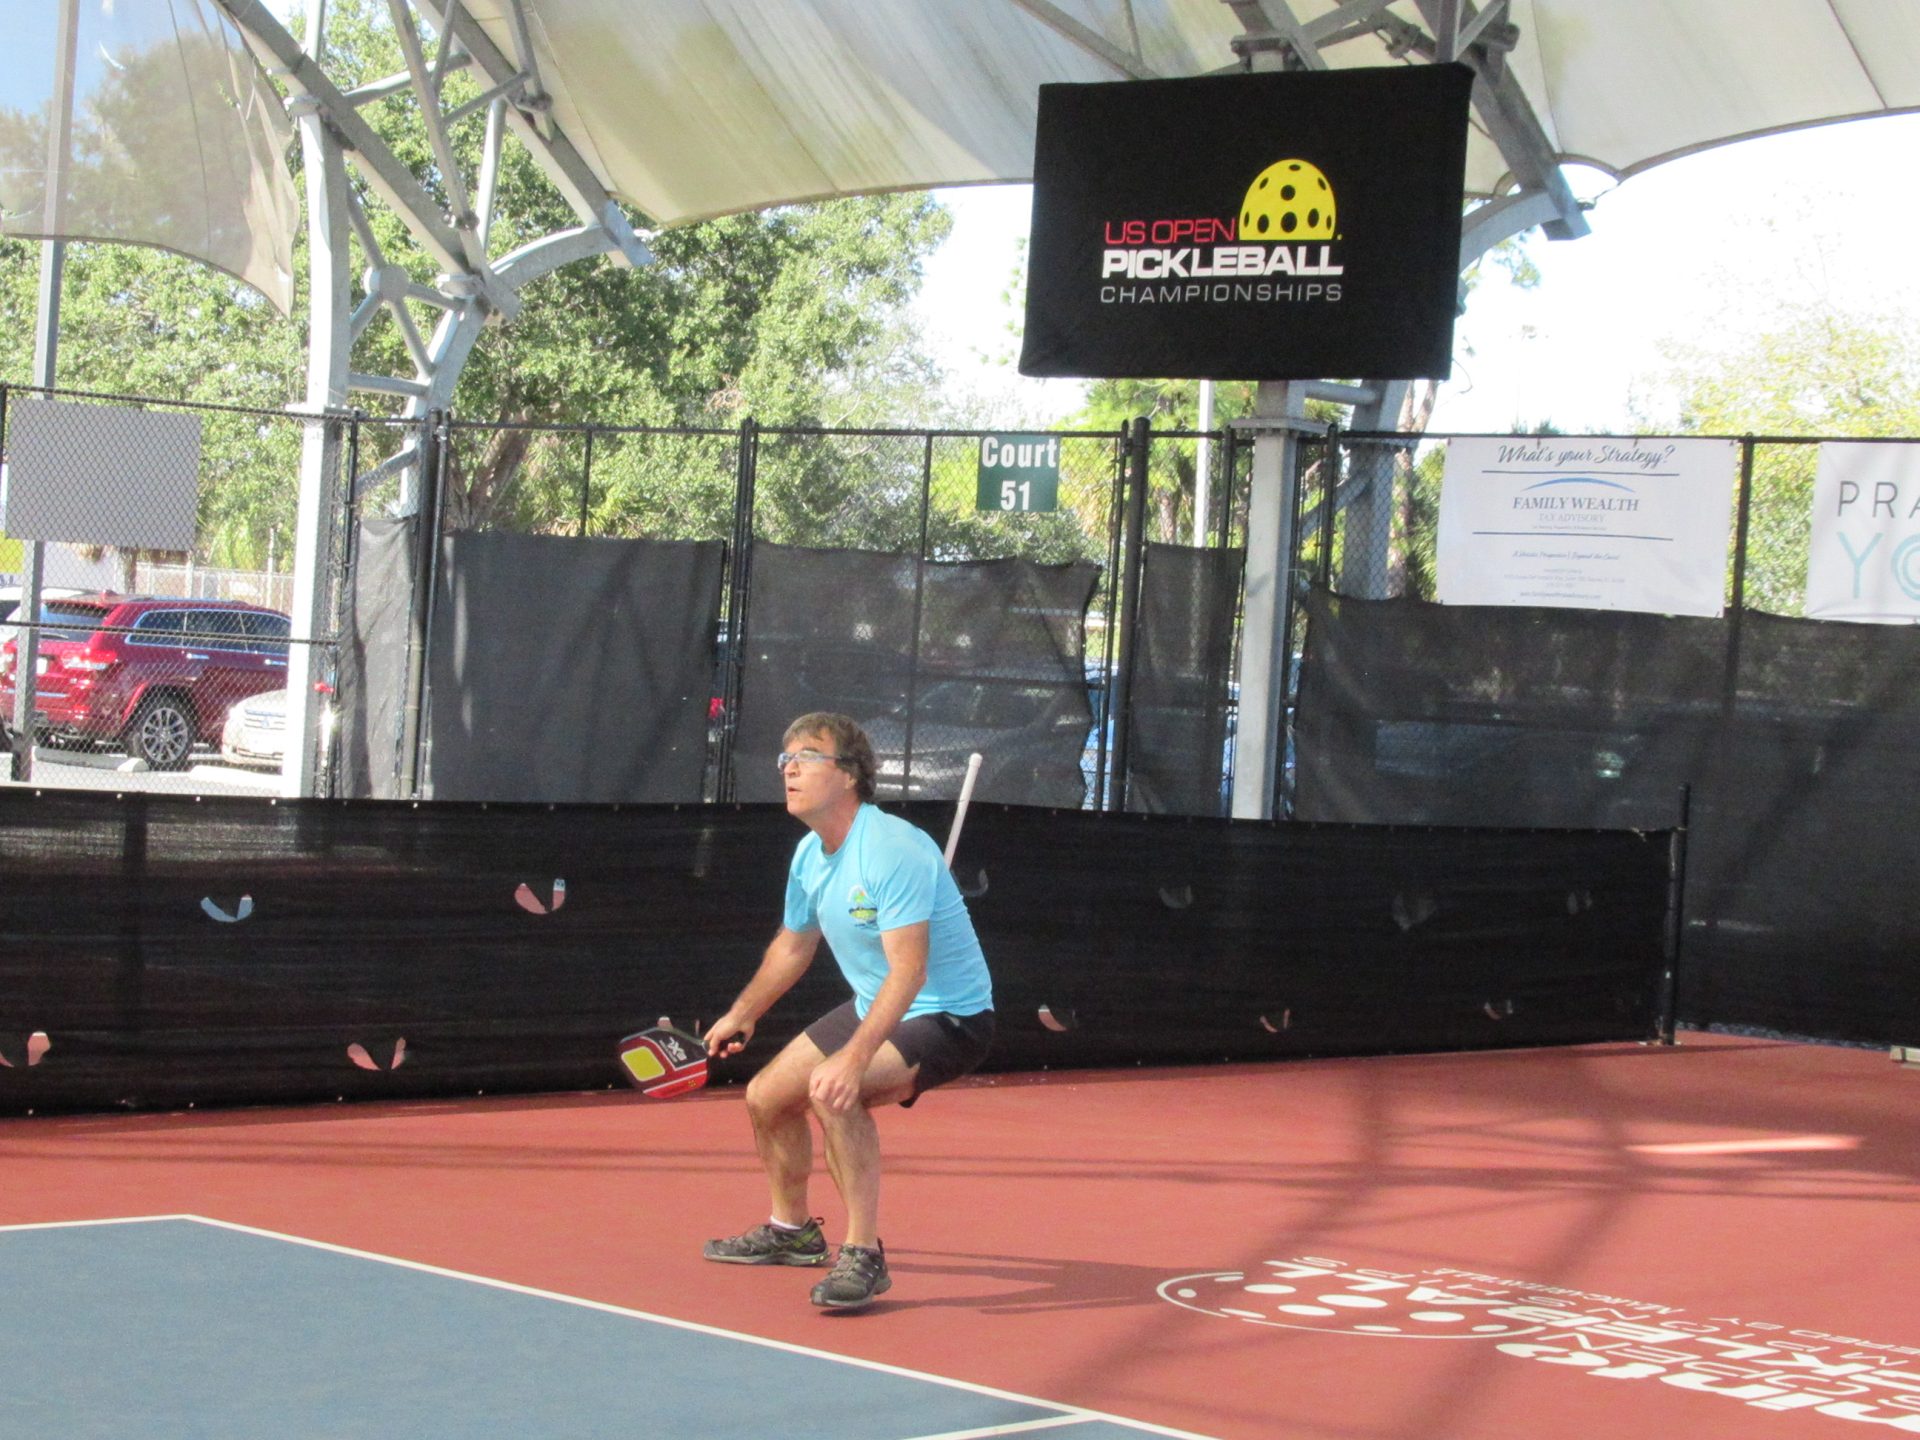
(151, 674)
(1029, 736)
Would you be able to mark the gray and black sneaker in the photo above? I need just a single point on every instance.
(769, 1245)
(859, 1277)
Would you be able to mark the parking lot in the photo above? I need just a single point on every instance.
(84, 770)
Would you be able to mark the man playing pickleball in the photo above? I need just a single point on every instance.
(922, 1010)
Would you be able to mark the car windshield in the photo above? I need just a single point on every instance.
(985, 704)
(70, 622)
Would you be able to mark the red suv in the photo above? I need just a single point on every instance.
(152, 674)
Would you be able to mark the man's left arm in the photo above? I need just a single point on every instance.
(837, 1081)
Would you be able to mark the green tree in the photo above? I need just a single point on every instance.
(1812, 372)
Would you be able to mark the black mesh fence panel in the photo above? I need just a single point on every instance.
(1411, 713)
(1801, 883)
(165, 951)
(937, 660)
(572, 670)
(1178, 757)
(1788, 737)
(372, 684)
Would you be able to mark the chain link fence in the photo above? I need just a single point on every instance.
(229, 483)
(160, 540)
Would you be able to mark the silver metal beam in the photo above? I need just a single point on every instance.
(378, 165)
(329, 343)
(1271, 26)
(1088, 39)
(1345, 21)
(1503, 106)
(434, 122)
(563, 163)
(394, 84)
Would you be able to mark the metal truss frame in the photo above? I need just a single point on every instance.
(438, 324)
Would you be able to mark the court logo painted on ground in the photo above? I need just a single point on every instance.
(1763, 1365)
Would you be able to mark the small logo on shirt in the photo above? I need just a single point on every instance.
(860, 906)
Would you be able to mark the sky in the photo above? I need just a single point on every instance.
(1697, 251)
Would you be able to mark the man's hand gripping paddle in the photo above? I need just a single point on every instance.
(662, 1062)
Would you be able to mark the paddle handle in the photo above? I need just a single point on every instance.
(960, 814)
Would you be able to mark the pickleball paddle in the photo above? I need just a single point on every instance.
(662, 1062)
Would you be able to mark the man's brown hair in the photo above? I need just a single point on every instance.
(852, 749)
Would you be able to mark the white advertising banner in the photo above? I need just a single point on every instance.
(1864, 559)
(1587, 523)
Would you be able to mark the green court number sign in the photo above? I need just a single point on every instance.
(1019, 472)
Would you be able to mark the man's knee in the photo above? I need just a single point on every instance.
(773, 1094)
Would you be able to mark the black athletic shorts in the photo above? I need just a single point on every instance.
(944, 1046)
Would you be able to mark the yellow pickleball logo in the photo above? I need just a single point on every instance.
(1289, 200)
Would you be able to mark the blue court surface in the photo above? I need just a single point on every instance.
(178, 1328)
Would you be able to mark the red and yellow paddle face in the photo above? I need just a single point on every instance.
(662, 1062)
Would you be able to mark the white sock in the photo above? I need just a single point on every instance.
(782, 1225)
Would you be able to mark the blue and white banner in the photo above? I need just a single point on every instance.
(1587, 523)
(1864, 560)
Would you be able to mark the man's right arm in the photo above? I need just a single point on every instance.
(787, 958)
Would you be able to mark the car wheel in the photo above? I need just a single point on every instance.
(162, 733)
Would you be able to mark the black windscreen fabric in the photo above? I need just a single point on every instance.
(936, 660)
(1802, 877)
(571, 670)
(1799, 907)
(372, 679)
(1182, 674)
(1412, 713)
(176, 949)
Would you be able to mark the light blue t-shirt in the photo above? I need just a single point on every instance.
(888, 873)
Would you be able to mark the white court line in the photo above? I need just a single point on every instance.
(1069, 1414)
(1018, 1427)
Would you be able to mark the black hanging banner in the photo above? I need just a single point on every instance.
(1283, 226)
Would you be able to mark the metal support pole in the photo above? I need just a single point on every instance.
(1139, 447)
(1229, 476)
(1280, 414)
(1202, 466)
(329, 343)
(739, 588)
(1103, 745)
(46, 353)
(1329, 491)
(586, 485)
(919, 616)
(1666, 1021)
(433, 442)
(1737, 610)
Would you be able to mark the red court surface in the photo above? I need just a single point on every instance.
(1719, 1239)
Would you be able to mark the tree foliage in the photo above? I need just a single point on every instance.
(1813, 371)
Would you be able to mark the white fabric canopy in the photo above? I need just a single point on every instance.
(693, 108)
(176, 138)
